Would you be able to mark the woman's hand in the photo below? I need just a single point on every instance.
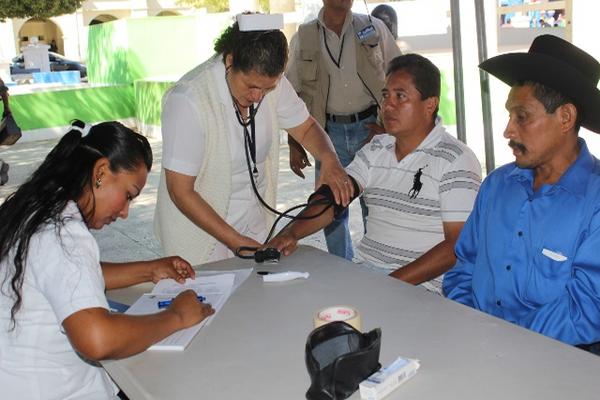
(242, 241)
(333, 174)
(189, 309)
(173, 267)
(285, 242)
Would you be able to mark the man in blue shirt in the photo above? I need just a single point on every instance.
(529, 252)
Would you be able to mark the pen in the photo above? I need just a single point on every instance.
(167, 303)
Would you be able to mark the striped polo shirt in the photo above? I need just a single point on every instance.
(408, 200)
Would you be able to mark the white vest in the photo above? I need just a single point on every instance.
(176, 233)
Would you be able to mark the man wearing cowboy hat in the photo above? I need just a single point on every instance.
(529, 251)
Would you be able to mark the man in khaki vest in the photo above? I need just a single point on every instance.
(337, 65)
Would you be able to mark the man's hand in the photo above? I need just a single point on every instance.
(171, 267)
(374, 129)
(298, 158)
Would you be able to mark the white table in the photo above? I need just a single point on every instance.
(254, 349)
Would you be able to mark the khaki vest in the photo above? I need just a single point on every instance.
(312, 71)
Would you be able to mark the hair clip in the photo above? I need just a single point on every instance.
(259, 22)
(84, 131)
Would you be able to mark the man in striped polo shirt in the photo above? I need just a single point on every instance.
(418, 181)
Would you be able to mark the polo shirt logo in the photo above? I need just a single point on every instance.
(417, 184)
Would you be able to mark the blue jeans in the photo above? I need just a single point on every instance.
(347, 139)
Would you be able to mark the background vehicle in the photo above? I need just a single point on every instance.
(57, 63)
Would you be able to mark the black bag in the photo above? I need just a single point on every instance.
(9, 130)
(338, 358)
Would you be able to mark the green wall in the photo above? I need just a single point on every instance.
(57, 108)
(447, 105)
(150, 54)
(148, 97)
(123, 57)
(139, 59)
(126, 50)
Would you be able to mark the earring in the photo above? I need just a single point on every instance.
(98, 183)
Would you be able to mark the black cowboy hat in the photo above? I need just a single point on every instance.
(560, 65)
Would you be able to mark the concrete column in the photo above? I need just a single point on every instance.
(282, 6)
(139, 8)
(584, 24)
(473, 114)
(68, 27)
(238, 6)
(285, 7)
(8, 48)
(583, 29)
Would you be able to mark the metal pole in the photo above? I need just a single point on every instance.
(488, 135)
(459, 88)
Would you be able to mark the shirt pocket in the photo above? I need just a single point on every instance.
(375, 57)
(549, 273)
(308, 66)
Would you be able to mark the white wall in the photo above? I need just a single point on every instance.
(7, 43)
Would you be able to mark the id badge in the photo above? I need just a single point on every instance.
(366, 33)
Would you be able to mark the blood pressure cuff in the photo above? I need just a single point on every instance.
(325, 191)
(338, 358)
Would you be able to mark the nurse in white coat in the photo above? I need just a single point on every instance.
(220, 126)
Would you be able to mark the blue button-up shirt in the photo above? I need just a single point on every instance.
(529, 257)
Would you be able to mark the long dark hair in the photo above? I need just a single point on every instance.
(63, 176)
(265, 52)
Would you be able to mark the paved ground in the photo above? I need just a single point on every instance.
(133, 238)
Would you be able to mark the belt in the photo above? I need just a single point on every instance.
(352, 118)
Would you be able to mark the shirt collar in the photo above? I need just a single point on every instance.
(574, 179)
(434, 135)
(430, 140)
(71, 210)
(347, 22)
(218, 71)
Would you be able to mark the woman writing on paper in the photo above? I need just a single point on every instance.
(221, 120)
(54, 319)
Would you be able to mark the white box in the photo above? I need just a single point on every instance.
(384, 381)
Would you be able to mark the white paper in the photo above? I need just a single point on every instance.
(215, 286)
(203, 285)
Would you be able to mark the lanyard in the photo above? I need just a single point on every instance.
(337, 63)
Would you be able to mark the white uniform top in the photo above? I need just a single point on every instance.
(183, 146)
(62, 276)
(400, 228)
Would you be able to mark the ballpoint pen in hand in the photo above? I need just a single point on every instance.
(167, 303)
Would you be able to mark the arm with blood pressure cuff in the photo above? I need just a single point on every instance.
(321, 209)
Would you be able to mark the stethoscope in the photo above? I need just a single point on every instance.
(250, 151)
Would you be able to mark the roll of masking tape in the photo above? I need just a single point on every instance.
(348, 314)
